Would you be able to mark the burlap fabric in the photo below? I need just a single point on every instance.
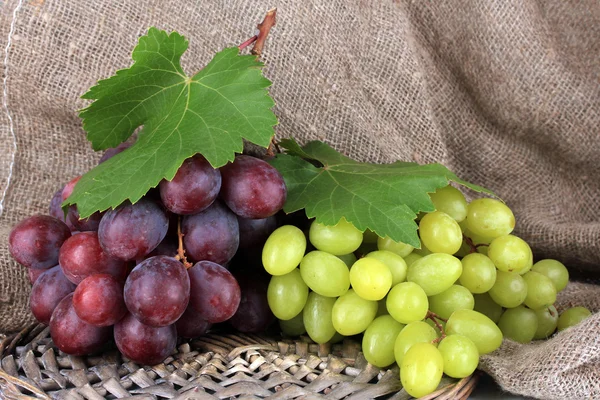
(506, 94)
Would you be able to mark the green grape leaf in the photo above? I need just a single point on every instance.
(382, 197)
(208, 113)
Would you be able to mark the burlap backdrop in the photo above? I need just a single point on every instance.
(506, 94)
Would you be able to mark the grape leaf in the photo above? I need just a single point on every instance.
(208, 113)
(382, 197)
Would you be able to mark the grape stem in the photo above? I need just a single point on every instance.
(472, 245)
(263, 30)
(180, 250)
(434, 317)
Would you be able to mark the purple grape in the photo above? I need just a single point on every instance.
(168, 247)
(212, 234)
(72, 335)
(190, 325)
(157, 291)
(193, 189)
(253, 314)
(252, 188)
(113, 151)
(214, 292)
(81, 256)
(132, 231)
(35, 241)
(48, 290)
(33, 274)
(254, 232)
(54, 209)
(90, 223)
(98, 300)
(144, 344)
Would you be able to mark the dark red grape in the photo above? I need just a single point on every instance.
(214, 292)
(68, 189)
(98, 300)
(195, 186)
(35, 241)
(132, 231)
(144, 344)
(81, 256)
(54, 209)
(33, 274)
(157, 291)
(254, 232)
(252, 188)
(90, 223)
(212, 234)
(168, 247)
(253, 314)
(72, 335)
(190, 325)
(48, 290)
(113, 151)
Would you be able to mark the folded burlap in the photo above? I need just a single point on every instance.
(506, 94)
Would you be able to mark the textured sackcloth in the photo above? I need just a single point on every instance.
(505, 93)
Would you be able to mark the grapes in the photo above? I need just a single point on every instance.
(477, 327)
(510, 289)
(510, 254)
(54, 208)
(394, 262)
(454, 298)
(193, 188)
(35, 241)
(98, 300)
(48, 290)
(402, 249)
(478, 273)
(252, 188)
(317, 317)
(571, 317)
(450, 201)
(339, 239)
(460, 356)
(421, 369)
(547, 321)
(435, 272)
(190, 326)
(293, 326)
(352, 314)
(379, 340)
(283, 250)
(255, 232)
(287, 294)
(412, 257)
(253, 314)
(519, 324)
(132, 231)
(490, 218)
(144, 344)
(325, 274)
(113, 151)
(370, 278)
(488, 307)
(348, 259)
(33, 274)
(541, 292)
(88, 224)
(555, 270)
(407, 302)
(415, 332)
(440, 233)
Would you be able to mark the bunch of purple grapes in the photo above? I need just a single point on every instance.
(123, 275)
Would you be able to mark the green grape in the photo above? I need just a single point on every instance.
(283, 250)
(394, 262)
(287, 295)
(490, 218)
(510, 253)
(555, 270)
(547, 321)
(348, 259)
(379, 339)
(407, 302)
(451, 201)
(422, 250)
(460, 356)
(352, 314)
(477, 327)
(369, 236)
(415, 332)
(478, 273)
(571, 317)
(488, 307)
(430, 322)
(440, 233)
(382, 308)
(402, 249)
(435, 272)
(364, 249)
(510, 289)
(370, 278)
(411, 258)
(541, 292)
(519, 324)
(294, 326)
(339, 239)
(338, 337)
(317, 317)
(325, 274)
(421, 370)
(454, 298)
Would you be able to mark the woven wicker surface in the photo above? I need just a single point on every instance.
(231, 366)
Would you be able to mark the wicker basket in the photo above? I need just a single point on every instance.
(228, 366)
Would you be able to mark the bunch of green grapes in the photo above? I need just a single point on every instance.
(432, 310)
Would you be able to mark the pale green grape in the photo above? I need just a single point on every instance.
(460, 356)
(411, 258)
(287, 295)
(365, 248)
(317, 317)
(435, 272)
(283, 250)
(571, 317)
(454, 298)
(352, 314)
(407, 302)
(402, 249)
(294, 326)
(478, 273)
(382, 308)
(510, 289)
(547, 321)
(421, 370)
(339, 239)
(379, 339)
(477, 327)
(541, 292)
(555, 270)
(394, 262)
(519, 324)
(325, 273)
(423, 250)
(451, 201)
(490, 218)
(510, 253)
(369, 236)
(440, 233)
(348, 259)
(338, 337)
(415, 332)
(488, 307)
(370, 278)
